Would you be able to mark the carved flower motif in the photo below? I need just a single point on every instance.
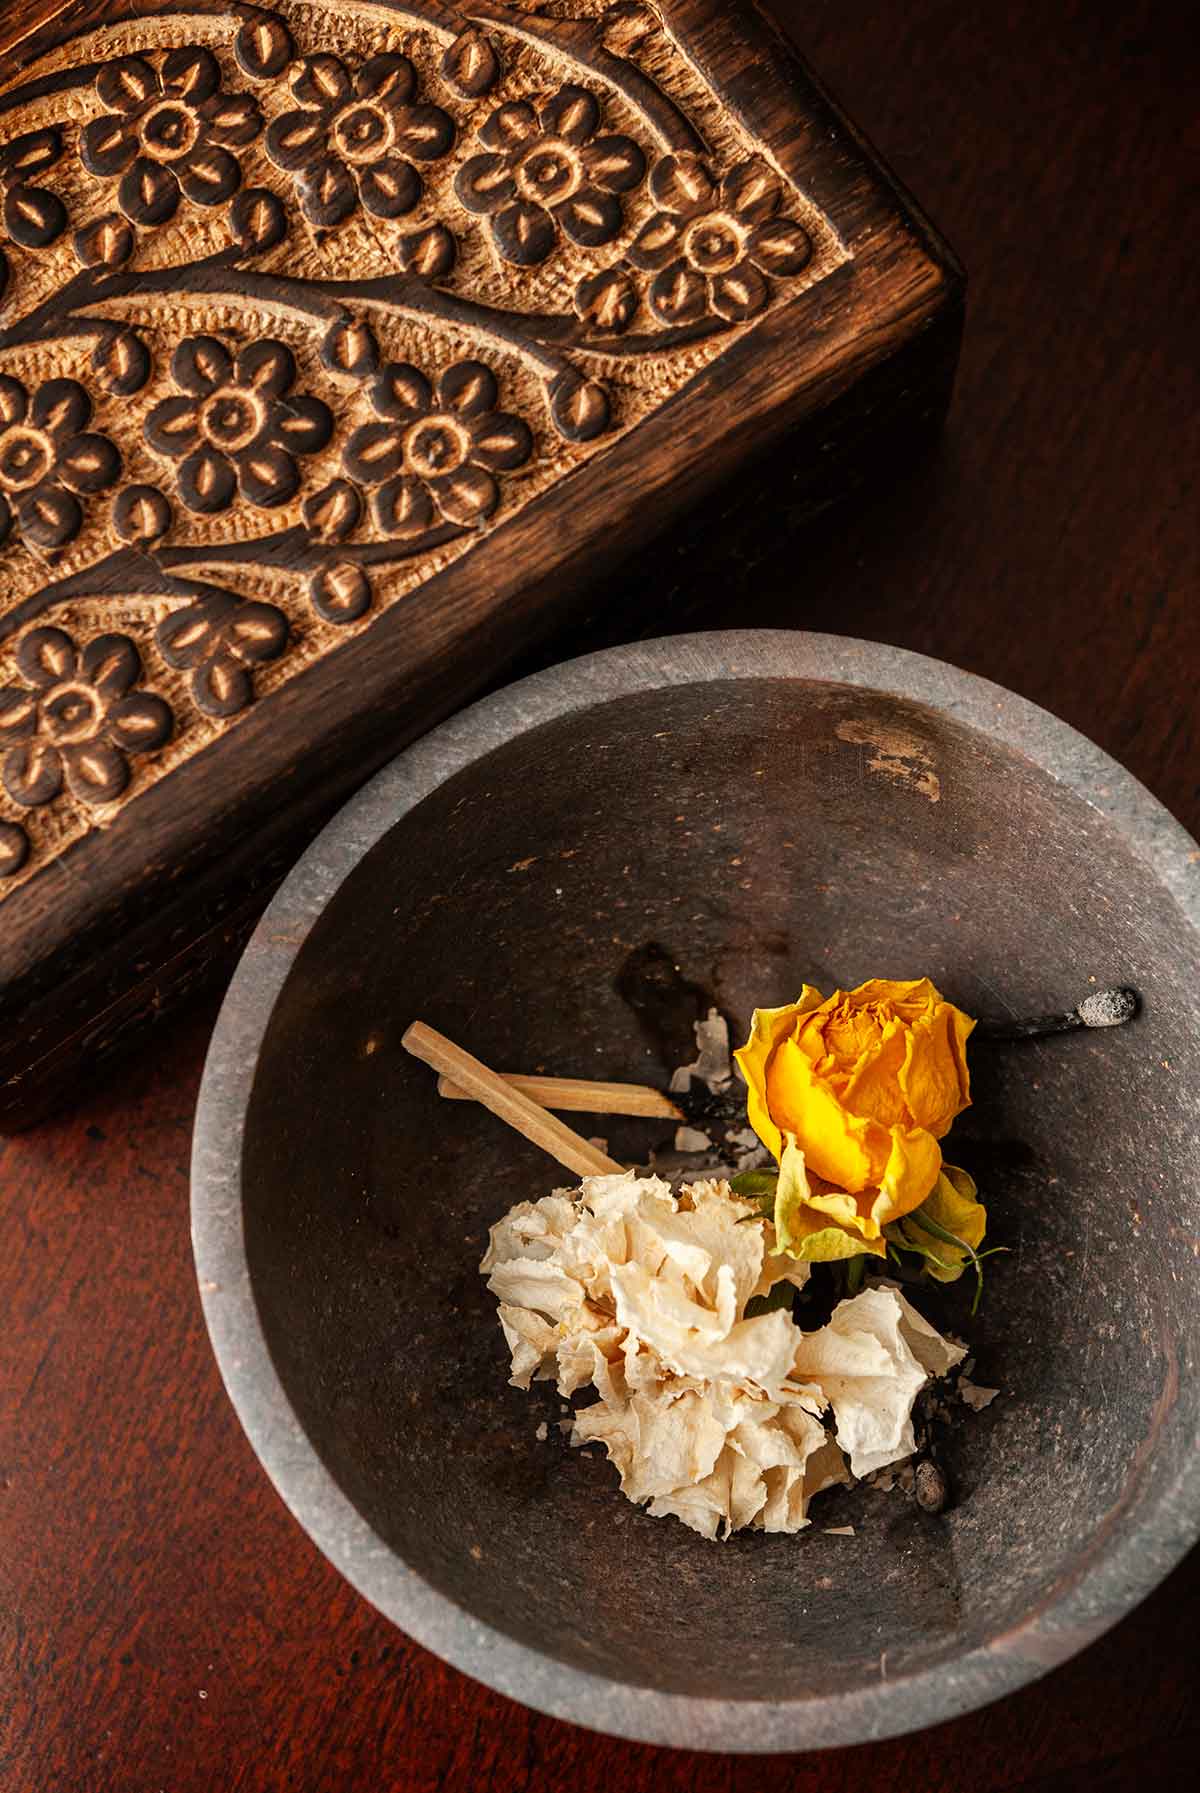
(219, 640)
(356, 138)
(33, 216)
(167, 133)
(49, 460)
(236, 426)
(546, 171)
(710, 247)
(77, 716)
(435, 450)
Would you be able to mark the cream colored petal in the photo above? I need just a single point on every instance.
(864, 1363)
(531, 1341)
(536, 1283)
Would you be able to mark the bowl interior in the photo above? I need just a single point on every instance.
(762, 833)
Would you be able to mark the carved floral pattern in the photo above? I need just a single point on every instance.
(166, 134)
(77, 717)
(219, 641)
(546, 171)
(235, 425)
(49, 460)
(34, 217)
(712, 244)
(568, 152)
(435, 449)
(355, 138)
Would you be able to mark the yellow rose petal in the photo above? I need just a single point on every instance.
(951, 1204)
(929, 1077)
(835, 1143)
(807, 1231)
(909, 1000)
(912, 1170)
(768, 1028)
(873, 1087)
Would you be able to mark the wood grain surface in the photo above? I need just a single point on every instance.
(164, 1625)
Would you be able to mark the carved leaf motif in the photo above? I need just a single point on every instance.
(49, 517)
(263, 46)
(333, 513)
(608, 301)
(88, 462)
(471, 65)
(141, 514)
(739, 293)
(222, 687)
(107, 242)
(341, 593)
(430, 253)
(402, 507)
(210, 176)
(207, 482)
(33, 216)
(267, 476)
(258, 219)
(121, 363)
(149, 193)
(580, 408)
(350, 349)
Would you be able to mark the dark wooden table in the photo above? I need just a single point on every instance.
(163, 1623)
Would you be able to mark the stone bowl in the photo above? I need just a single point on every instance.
(762, 809)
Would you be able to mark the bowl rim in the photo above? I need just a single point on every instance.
(1082, 1605)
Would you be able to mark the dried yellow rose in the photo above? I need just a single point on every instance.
(852, 1093)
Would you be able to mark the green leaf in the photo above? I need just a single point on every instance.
(755, 1183)
(780, 1296)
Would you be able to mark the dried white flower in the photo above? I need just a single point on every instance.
(705, 1413)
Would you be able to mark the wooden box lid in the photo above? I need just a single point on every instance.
(341, 344)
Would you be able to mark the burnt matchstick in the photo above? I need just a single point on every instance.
(1104, 1008)
(724, 1109)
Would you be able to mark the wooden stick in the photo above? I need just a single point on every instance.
(482, 1085)
(580, 1095)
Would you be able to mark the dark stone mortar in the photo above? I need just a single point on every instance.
(770, 809)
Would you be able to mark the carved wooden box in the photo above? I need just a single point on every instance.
(342, 345)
